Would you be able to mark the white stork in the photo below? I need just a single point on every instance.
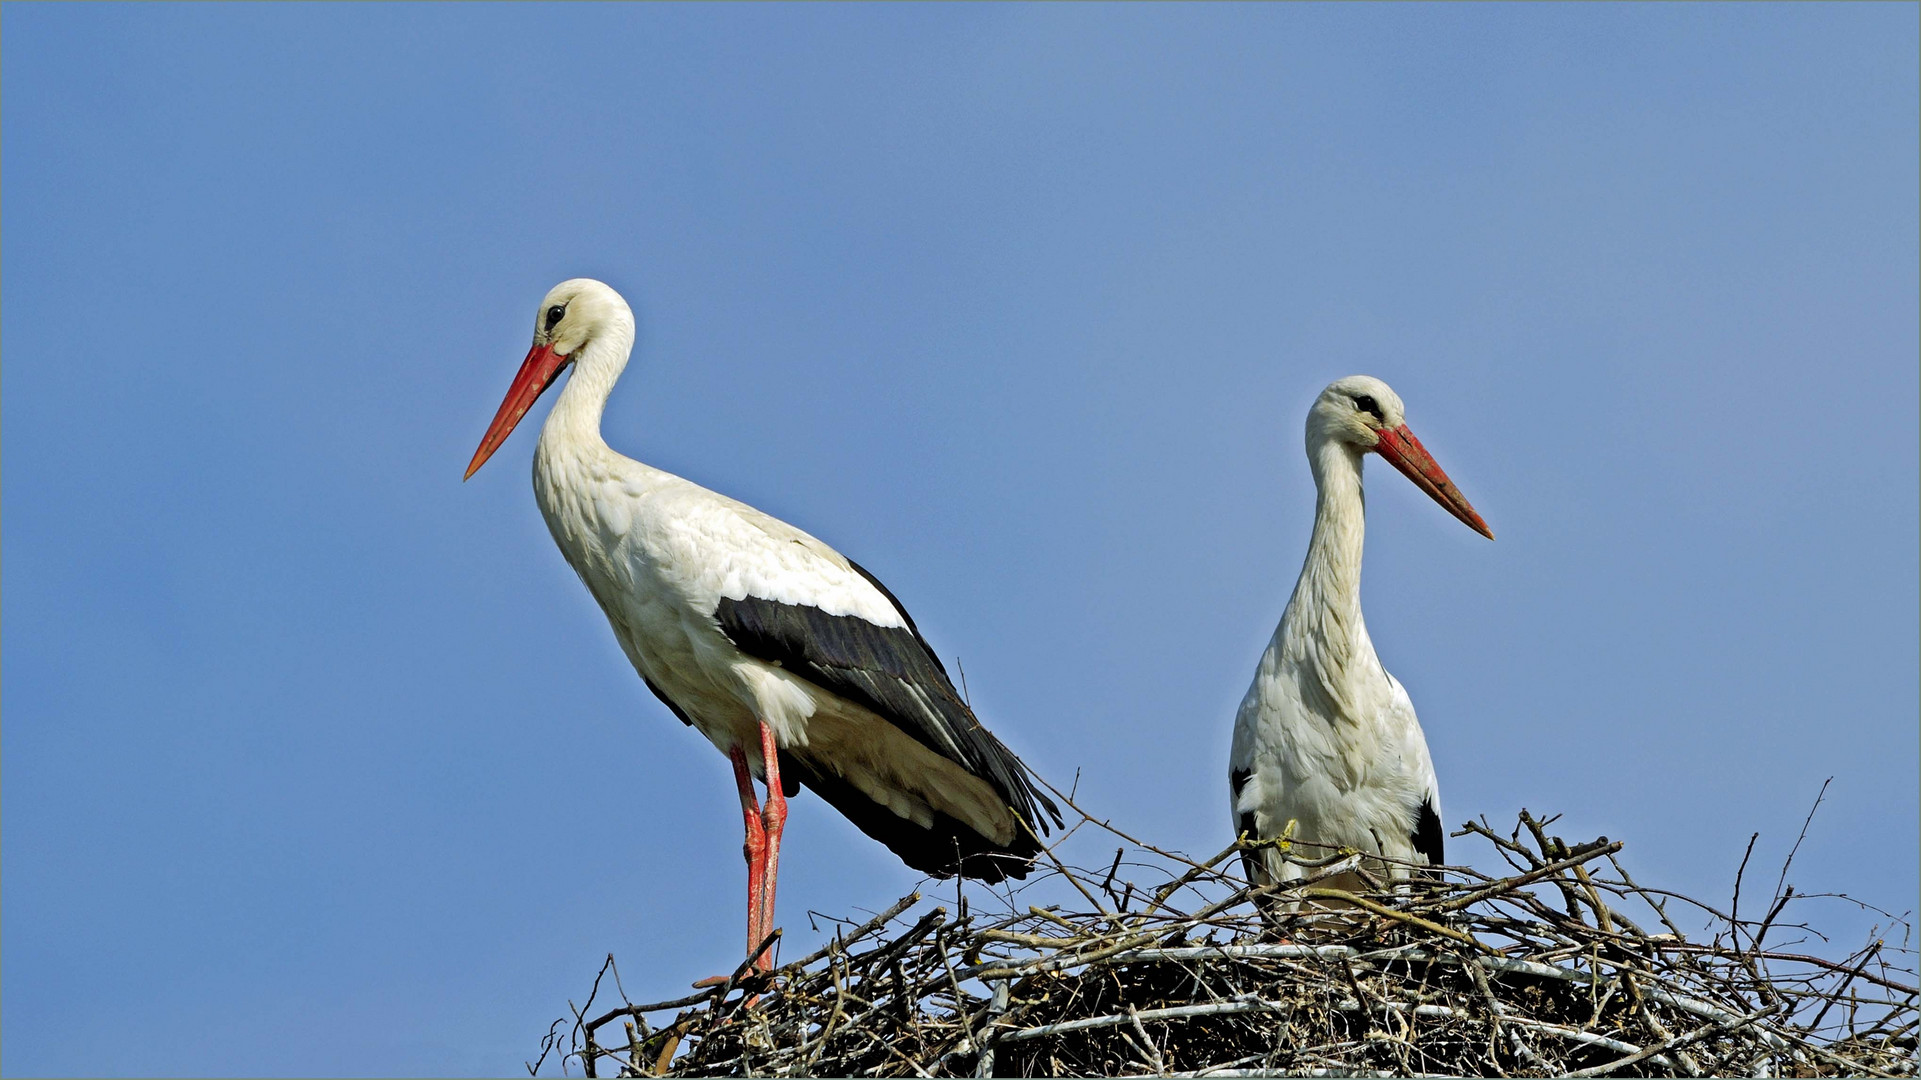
(793, 660)
(1326, 738)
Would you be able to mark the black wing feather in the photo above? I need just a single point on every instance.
(902, 608)
(1244, 824)
(893, 672)
(1428, 836)
(949, 847)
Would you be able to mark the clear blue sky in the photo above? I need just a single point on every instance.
(318, 761)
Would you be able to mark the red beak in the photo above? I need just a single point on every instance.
(1405, 452)
(536, 374)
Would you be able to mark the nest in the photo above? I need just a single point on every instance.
(1564, 967)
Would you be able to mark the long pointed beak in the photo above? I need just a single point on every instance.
(536, 374)
(1405, 452)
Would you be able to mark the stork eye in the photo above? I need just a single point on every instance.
(554, 315)
(1366, 404)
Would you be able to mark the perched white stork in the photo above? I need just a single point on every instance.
(793, 660)
(1325, 737)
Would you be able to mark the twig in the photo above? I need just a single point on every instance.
(1717, 1027)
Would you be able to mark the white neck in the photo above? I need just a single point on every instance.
(1322, 629)
(574, 422)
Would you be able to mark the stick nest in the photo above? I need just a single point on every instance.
(1564, 967)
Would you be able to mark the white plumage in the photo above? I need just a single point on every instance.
(1326, 739)
(790, 658)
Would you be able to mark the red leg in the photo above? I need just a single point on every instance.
(773, 821)
(755, 847)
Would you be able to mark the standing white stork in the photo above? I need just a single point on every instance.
(1325, 737)
(797, 663)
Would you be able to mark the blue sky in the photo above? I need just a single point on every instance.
(317, 761)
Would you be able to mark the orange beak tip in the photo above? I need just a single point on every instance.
(536, 373)
(1405, 452)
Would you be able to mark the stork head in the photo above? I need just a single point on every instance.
(1364, 413)
(574, 315)
(577, 311)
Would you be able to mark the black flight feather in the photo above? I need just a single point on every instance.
(1429, 839)
(949, 847)
(892, 672)
(1244, 824)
